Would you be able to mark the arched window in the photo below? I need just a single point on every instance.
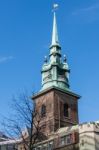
(43, 110)
(66, 110)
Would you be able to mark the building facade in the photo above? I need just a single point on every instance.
(77, 137)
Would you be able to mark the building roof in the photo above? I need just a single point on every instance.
(8, 142)
(69, 92)
(3, 137)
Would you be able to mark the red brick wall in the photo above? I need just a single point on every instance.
(54, 101)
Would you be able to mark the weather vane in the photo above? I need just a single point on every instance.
(55, 7)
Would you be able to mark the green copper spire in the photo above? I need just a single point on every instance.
(55, 40)
(55, 72)
(55, 46)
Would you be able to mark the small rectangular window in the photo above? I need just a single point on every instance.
(50, 145)
(62, 140)
(66, 110)
(44, 147)
(43, 111)
(68, 139)
(38, 148)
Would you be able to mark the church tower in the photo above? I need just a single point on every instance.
(56, 103)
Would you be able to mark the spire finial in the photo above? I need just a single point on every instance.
(55, 6)
(55, 40)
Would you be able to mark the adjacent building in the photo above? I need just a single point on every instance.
(7, 143)
(78, 137)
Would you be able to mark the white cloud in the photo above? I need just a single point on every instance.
(91, 9)
(4, 59)
(88, 14)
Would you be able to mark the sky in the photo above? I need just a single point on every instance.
(25, 37)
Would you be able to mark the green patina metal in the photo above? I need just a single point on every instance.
(55, 72)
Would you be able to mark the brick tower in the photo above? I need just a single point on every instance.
(56, 103)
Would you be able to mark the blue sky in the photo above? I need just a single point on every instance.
(25, 37)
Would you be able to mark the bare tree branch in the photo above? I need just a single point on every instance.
(25, 117)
